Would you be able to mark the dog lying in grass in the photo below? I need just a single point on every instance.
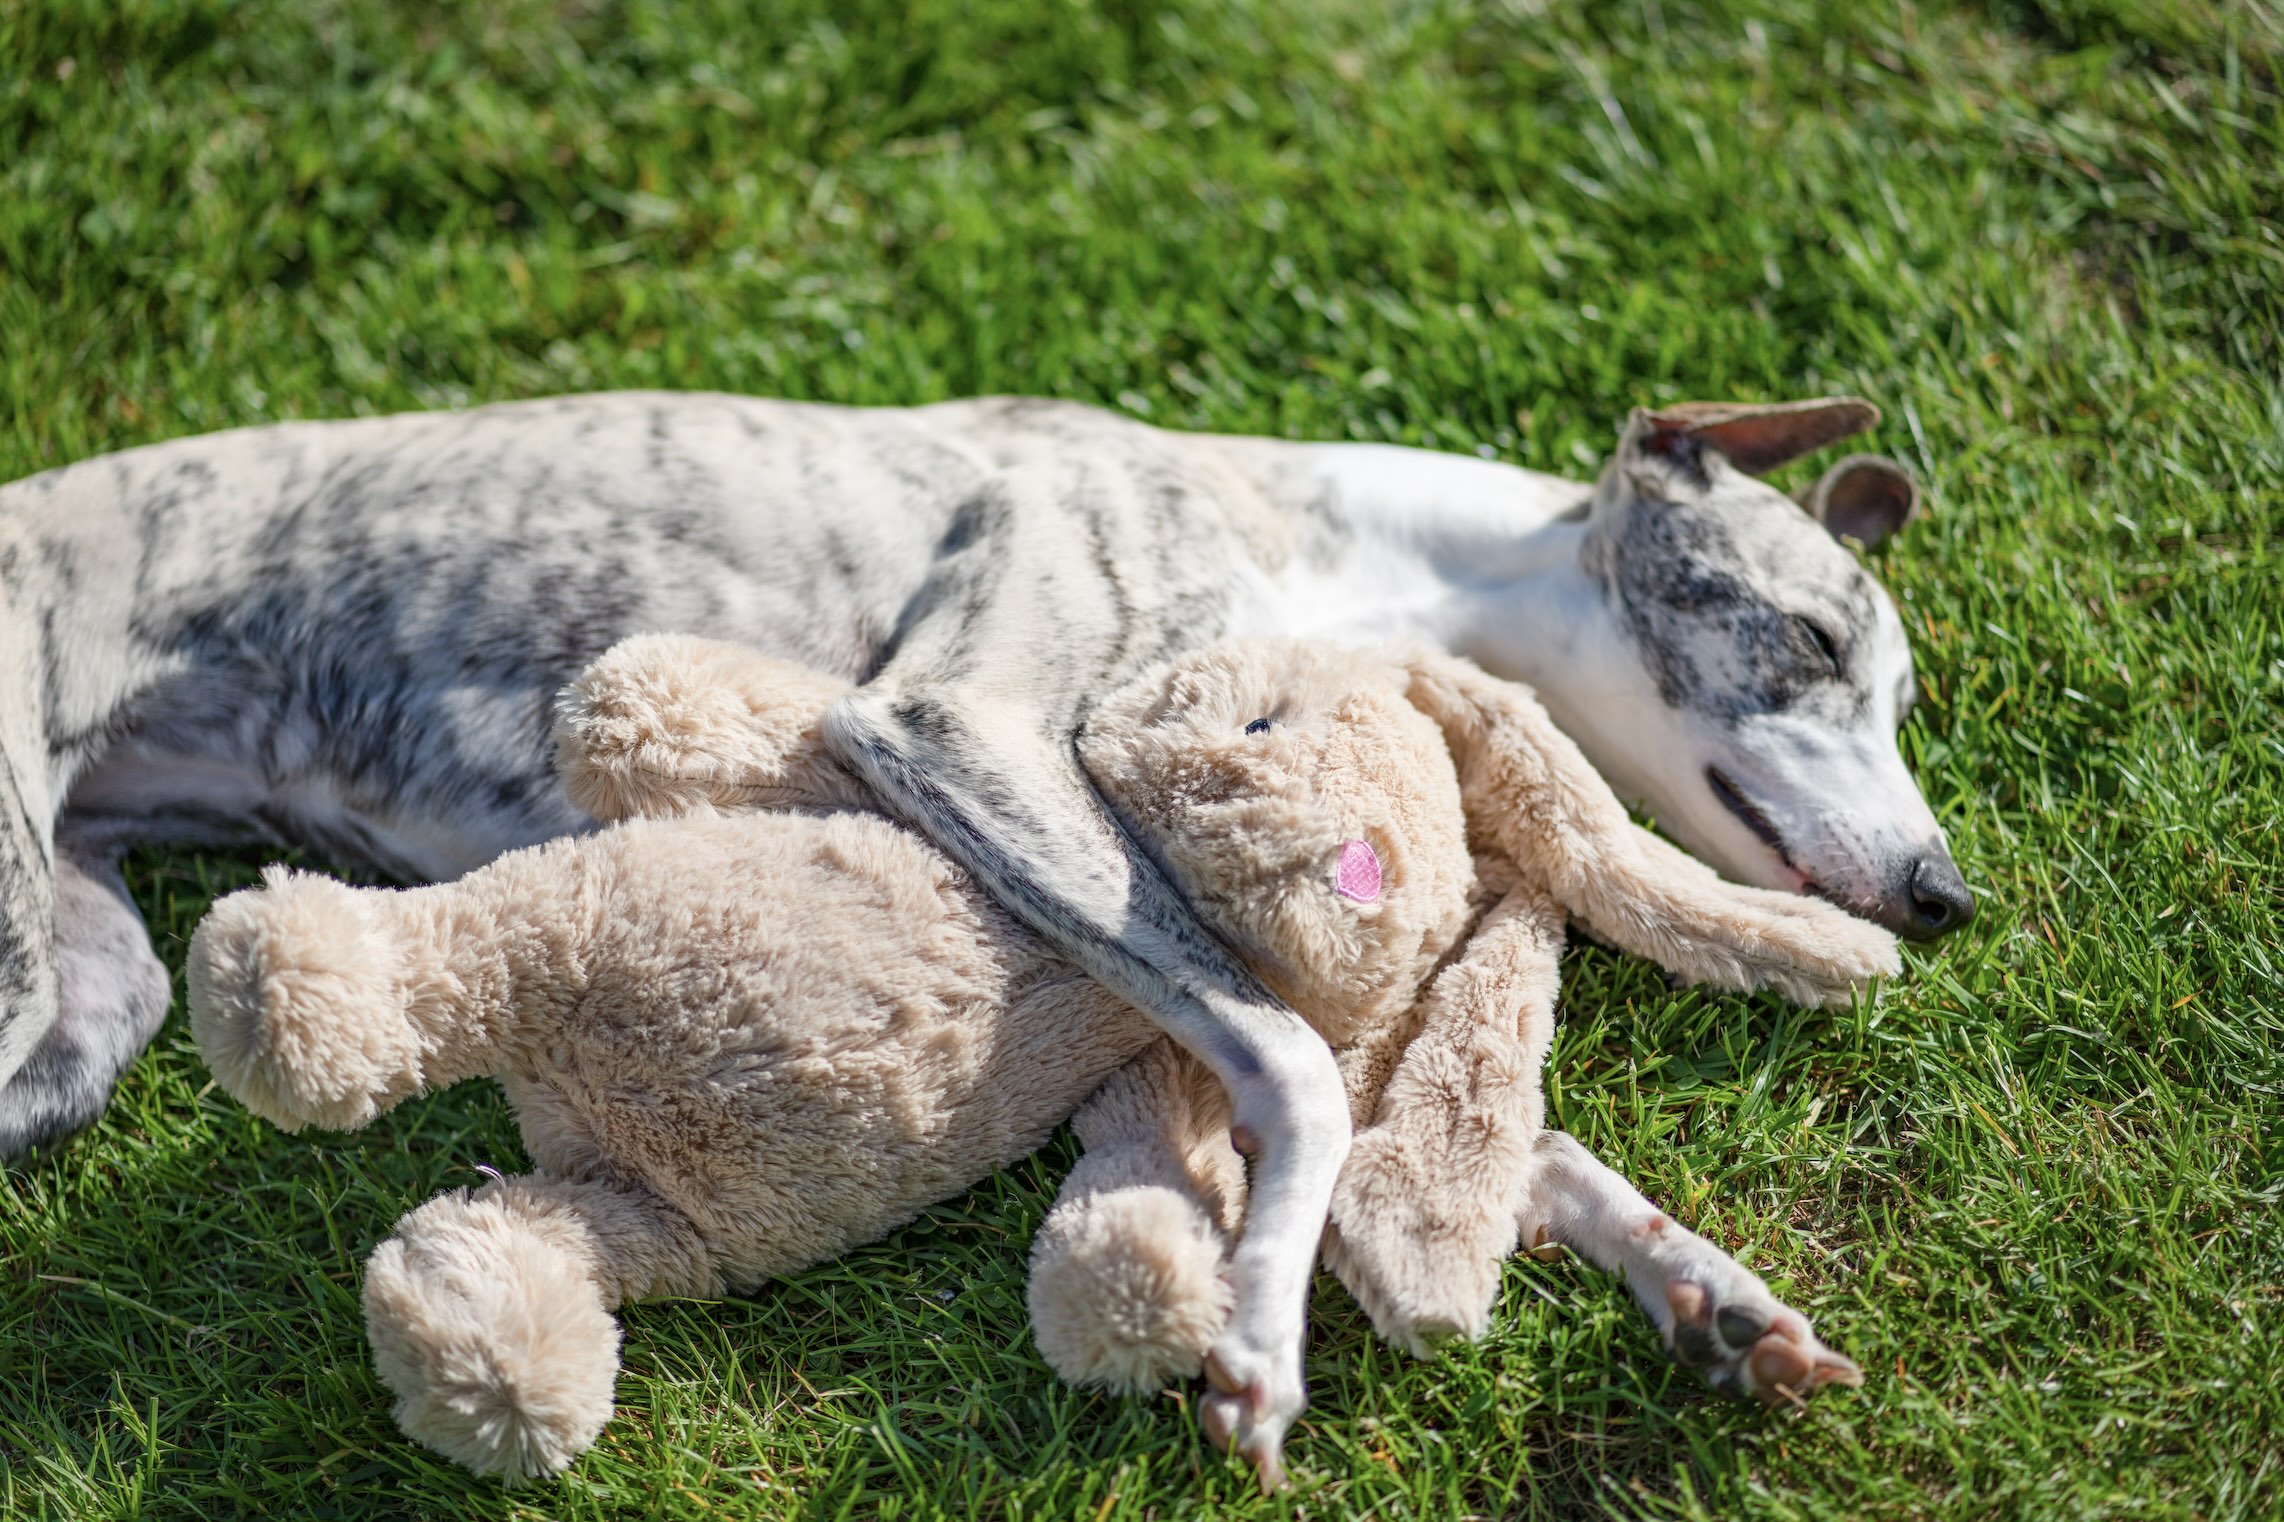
(757, 1023)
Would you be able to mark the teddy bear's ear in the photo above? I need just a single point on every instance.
(1513, 763)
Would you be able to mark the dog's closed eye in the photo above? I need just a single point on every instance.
(1820, 639)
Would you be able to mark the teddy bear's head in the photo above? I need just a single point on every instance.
(1307, 808)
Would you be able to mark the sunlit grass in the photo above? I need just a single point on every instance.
(2034, 1188)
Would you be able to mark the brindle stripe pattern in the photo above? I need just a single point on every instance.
(347, 635)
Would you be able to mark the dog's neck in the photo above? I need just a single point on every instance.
(1526, 609)
(1516, 598)
(1480, 558)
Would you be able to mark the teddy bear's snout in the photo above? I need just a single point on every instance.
(1358, 877)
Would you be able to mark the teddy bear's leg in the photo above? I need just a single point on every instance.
(298, 1001)
(1127, 1289)
(1425, 1209)
(1714, 1313)
(318, 1003)
(1649, 897)
(490, 1319)
(668, 724)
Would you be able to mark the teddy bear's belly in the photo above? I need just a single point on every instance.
(801, 1031)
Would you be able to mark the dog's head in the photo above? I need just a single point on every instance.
(1755, 673)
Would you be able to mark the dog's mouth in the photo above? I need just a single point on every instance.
(1734, 800)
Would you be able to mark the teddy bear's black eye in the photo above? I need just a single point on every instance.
(1257, 727)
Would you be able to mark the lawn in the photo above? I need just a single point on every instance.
(2033, 1186)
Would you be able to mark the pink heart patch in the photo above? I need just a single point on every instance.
(1359, 874)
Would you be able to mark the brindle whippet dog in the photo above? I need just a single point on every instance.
(347, 635)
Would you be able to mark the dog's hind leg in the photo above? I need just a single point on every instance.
(110, 998)
(27, 895)
(993, 783)
(80, 991)
(1714, 1313)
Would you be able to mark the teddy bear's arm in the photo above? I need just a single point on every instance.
(665, 724)
(1127, 1283)
(1531, 792)
(1425, 1209)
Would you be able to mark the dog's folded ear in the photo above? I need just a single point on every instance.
(1865, 497)
(1757, 437)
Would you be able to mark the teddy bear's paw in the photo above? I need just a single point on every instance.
(1811, 951)
(1127, 1289)
(1833, 954)
(662, 725)
(493, 1337)
(1417, 1296)
(1718, 1317)
(296, 1005)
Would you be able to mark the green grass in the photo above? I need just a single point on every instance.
(2034, 1187)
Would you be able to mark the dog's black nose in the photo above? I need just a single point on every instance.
(1940, 902)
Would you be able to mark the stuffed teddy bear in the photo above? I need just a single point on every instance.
(1450, 1167)
(755, 1022)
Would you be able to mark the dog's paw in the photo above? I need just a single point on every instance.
(58, 1093)
(1253, 1401)
(1719, 1318)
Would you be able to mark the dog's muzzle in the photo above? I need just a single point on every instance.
(1926, 897)
(1931, 899)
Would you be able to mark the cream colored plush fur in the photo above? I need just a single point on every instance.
(1443, 1087)
(764, 1024)
(1444, 1075)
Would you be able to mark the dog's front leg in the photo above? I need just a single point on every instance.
(995, 781)
(1714, 1313)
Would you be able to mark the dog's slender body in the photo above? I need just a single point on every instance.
(348, 635)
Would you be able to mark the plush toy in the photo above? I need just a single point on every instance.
(1450, 1168)
(765, 1023)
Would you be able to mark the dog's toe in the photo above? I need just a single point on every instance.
(1248, 1413)
(1758, 1347)
(1725, 1323)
